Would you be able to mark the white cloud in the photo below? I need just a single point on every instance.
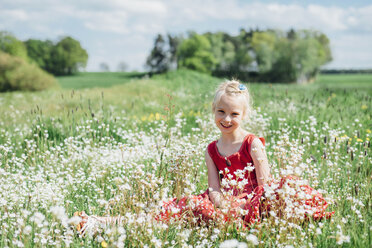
(148, 7)
(115, 22)
(14, 14)
(275, 15)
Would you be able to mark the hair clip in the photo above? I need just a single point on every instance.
(242, 87)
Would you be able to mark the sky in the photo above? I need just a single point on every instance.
(114, 31)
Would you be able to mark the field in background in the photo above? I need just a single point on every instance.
(117, 143)
(345, 80)
(108, 79)
(97, 79)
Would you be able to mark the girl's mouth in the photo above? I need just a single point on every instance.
(226, 126)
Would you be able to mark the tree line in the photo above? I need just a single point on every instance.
(255, 55)
(64, 57)
(29, 65)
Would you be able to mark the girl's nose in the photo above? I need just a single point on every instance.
(227, 118)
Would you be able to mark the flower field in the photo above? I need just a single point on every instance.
(125, 149)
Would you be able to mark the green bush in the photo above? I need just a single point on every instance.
(17, 74)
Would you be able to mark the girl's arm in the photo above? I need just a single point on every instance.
(214, 182)
(260, 162)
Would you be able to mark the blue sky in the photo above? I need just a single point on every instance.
(123, 30)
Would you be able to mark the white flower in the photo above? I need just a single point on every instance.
(340, 238)
(38, 218)
(27, 230)
(74, 220)
(232, 243)
(252, 238)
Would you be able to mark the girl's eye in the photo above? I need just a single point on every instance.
(221, 111)
(235, 114)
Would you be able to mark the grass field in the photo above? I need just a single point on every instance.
(116, 143)
(97, 79)
(345, 80)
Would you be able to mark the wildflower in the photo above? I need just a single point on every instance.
(38, 218)
(253, 239)
(229, 243)
(27, 230)
(75, 220)
(340, 238)
(104, 244)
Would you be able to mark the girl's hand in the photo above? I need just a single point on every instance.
(239, 201)
(236, 203)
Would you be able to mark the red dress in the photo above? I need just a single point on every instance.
(256, 202)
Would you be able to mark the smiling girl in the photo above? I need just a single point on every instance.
(240, 185)
(239, 172)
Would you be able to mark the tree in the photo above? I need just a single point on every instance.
(104, 67)
(231, 54)
(311, 51)
(223, 50)
(195, 53)
(158, 61)
(283, 67)
(11, 45)
(295, 56)
(241, 63)
(263, 45)
(40, 52)
(68, 57)
(173, 44)
(259, 55)
(122, 67)
(65, 57)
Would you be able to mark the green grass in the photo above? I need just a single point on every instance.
(345, 80)
(108, 79)
(97, 79)
(56, 147)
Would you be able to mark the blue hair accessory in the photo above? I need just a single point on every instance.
(242, 87)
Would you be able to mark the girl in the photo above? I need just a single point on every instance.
(238, 173)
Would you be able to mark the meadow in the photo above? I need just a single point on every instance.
(118, 143)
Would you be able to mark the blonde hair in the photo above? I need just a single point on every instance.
(234, 88)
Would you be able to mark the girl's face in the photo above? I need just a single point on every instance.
(229, 113)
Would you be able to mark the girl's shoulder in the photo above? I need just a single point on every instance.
(211, 146)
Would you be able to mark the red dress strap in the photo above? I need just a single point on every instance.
(262, 140)
(250, 139)
(212, 150)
